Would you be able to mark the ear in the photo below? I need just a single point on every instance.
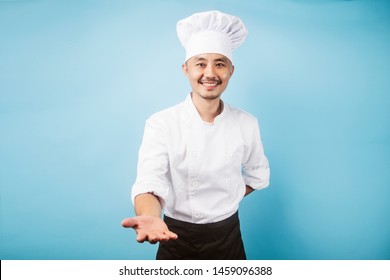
(185, 69)
(232, 71)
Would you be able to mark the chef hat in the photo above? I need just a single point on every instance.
(211, 32)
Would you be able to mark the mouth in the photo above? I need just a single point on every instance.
(210, 84)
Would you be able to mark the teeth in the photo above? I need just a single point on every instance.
(209, 85)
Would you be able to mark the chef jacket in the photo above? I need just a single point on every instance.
(199, 171)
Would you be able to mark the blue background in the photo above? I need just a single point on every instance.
(79, 78)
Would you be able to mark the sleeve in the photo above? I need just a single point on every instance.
(152, 169)
(255, 168)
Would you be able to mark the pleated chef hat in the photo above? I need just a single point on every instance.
(211, 32)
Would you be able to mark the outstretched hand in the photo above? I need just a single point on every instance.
(149, 228)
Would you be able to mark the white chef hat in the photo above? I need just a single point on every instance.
(211, 32)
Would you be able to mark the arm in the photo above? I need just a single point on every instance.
(151, 186)
(147, 204)
(256, 172)
(148, 223)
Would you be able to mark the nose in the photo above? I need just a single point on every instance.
(209, 72)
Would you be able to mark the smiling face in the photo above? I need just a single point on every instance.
(208, 74)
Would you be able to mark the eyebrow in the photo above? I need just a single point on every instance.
(221, 59)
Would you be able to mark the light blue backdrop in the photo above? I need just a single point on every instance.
(79, 78)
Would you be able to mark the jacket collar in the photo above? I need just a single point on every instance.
(193, 112)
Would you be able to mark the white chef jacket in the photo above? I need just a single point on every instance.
(199, 170)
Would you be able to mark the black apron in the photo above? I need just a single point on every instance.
(214, 241)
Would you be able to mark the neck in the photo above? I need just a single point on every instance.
(208, 109)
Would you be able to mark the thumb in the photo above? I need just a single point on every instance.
(129, 222)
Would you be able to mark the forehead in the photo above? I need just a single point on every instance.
(210, 57)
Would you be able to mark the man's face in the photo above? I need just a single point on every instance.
(208, 74)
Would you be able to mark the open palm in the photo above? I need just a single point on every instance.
(149, 228)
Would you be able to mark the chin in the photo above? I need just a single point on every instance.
(210, 96)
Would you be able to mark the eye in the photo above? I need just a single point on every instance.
(220, 65)
(201, 64)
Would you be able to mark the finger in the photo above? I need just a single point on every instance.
(141, 237)
(164, 238)
(153, 238)
(168, 236)
(160, 237)
(129, 223)
(172, 235)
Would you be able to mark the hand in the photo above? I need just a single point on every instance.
(149, 228)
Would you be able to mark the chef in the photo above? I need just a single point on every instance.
(200, 158)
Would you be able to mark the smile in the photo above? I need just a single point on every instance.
(210, 83)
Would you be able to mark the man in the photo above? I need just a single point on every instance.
(199, 158)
